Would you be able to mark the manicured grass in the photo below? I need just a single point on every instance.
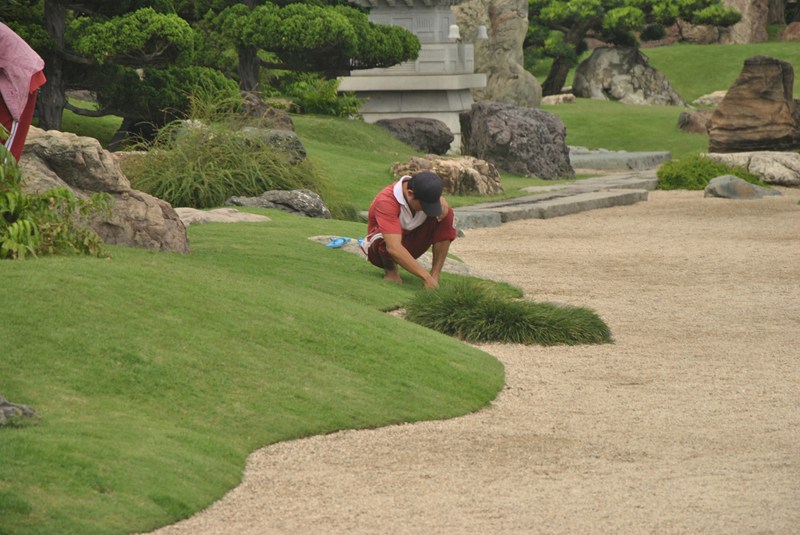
(156, 374)
(614, 126)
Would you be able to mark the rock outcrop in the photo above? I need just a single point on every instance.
(56, 159)
(774, 168)
(299, 202)
(623, 74)
(430, 136)
(500, 56)
(758, 112)
(695, 122)
(15, 412)
(516, 140)
(461, 176)
(732, 187)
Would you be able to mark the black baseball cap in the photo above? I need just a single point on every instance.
(427, 188)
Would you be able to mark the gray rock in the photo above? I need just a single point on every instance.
(430, 136)
(284, 141)
(56, 159)
(516, 140)
(500, 56)
(623, 74)
(559, 99)
(300, 202)
(701, 34)
(9, 411)
(732, 187)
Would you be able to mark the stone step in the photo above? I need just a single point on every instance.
(549, 206)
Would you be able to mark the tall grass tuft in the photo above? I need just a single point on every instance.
(695, 172)
(474, 312)
(203, 161)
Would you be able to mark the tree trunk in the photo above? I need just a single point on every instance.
(556, 77)
(777, 10)
(249, 69)
(796, 17)
(249, 63)
(51, 98)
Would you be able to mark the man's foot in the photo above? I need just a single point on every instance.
(393, 276)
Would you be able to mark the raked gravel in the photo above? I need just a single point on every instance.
(689, 423)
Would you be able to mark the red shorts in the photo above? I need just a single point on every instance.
(21, 131)
(418, 240)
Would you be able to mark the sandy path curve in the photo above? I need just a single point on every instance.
(690, 423)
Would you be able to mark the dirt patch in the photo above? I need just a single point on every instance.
(689, 423)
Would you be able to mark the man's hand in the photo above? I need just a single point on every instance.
(445, 209)
(431, 283)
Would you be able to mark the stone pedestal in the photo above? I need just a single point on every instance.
(437, 85)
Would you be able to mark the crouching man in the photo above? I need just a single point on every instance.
(405, 220)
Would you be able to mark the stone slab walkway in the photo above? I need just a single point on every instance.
(617, 189)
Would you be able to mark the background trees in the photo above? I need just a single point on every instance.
(142, 57)
(558, 27)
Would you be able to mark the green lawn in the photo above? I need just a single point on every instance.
(157, 374)
(693, 71)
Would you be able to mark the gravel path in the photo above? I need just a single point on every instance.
(689, 423)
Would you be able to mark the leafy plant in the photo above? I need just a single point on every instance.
(48, 223)
(312, 94)
(694, 173)
(473, 311)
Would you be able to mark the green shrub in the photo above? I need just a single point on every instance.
(202, 162)
(474, 312)
(695, 172)
(312, 94)
(46, 223)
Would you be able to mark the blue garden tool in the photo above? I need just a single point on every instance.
(337, 242)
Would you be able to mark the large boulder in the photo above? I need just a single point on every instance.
(299, 202)
(758, 112)
(500, 56)
(425, 135)
(733, 187)
(461, 176)
(13, 412)
(753, 26)
(695, 122)
(516, 140)
(56, 159)
(623, 74)
(776, 168)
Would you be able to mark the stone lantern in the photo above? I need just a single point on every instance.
(437, 85)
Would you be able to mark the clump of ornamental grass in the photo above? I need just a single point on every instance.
(695, 172)
(202, 161)
(475, 312)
